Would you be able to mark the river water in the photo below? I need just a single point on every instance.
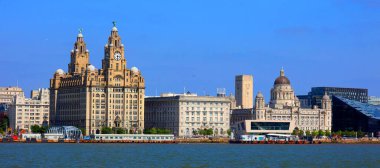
(188, 155)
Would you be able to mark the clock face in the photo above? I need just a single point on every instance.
(117, 56)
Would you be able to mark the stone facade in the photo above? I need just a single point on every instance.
(26, 112)
(7, 94)
(238, 115)
(285, 106)
(91, 98)
(185, 113)
(244, 91)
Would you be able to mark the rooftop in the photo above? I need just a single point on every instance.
(369, 110)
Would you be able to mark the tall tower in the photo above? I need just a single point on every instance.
(114, 62)
(326, 105)
(90, 98)
(260, 107)
(244, 91)
(79, 56)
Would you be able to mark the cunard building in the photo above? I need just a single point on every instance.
(91, 98)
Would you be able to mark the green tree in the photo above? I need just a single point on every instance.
(35, 128)
(229, 132)
(106, 130)
(301, 133)
(209, 131)
(352, 133)
(195, 132)
(314, 133)
(146, 131)
(327, 133)
(296, 131)
(120, 131)
(361, 134)
(321, 133)
(345, 133)
(153, 131)
(338, 133)
(157, 131)
(308, 133)
(43, 129)
(202, 131)
(163, 131)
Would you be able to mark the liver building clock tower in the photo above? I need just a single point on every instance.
(91, 98)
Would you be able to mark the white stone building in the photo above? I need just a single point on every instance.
(185, 113)
(7, 94)
(26, 112)
(285, 106)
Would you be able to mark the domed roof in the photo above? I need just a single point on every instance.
(91, 67)
(134, 69)
(60, 71)
(259, 94)
(114, 28)
(282, 79)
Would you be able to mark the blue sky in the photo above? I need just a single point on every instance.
(198, 44)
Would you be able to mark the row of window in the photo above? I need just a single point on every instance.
(205, 119)
(198, 113)
(204, 124)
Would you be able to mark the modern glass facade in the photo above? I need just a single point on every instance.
(270, 125)
(68, 132)
(354, 115)
(314, 97)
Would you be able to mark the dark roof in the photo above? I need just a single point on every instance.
(282, 80)
(365, 108)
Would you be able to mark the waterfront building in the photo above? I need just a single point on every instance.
(7, 94)
(63, 132)
(285, 106)
(314, 97)
(91, 98)
(262, 127)
(355, 116)
(374, 100)
(244, 91)
(238, 115)
(184, 114)
(26, 112)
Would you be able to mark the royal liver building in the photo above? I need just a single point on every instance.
(285, 106)
(91, 98)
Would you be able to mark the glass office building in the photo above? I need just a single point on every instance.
(270, 125)
(355, 115)
(314, 97)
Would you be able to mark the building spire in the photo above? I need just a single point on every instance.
(282, 73)
(114, 26)
(80, 30)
